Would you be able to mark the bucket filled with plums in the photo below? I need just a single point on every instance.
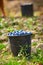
(20, 41)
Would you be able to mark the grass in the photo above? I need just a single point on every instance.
(2, 46)
(6, 56)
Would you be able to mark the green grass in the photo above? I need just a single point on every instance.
(2, 46)
(34, 43)
(29, 24)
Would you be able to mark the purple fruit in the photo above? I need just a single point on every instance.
(10, 34)
(19, 33)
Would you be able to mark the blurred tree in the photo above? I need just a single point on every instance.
(2, 7)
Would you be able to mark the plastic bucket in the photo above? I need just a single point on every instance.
(27, 9)
(18, 42)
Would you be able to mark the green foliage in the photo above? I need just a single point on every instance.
(0, 19)
(6, 24)
(2, 46)
(12, 62)
(12, 18)
(10, 29)
(34, 43)
(30, 24)
(1, 26)
(0, 33)
(38, 56)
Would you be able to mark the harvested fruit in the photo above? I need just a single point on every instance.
(19, 33)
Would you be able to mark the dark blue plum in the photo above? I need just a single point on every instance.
(10, 34)
(19, 33)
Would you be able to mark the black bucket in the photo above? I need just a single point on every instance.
(27, 9)
(18, 42)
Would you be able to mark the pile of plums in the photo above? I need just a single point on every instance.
(19, 33)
